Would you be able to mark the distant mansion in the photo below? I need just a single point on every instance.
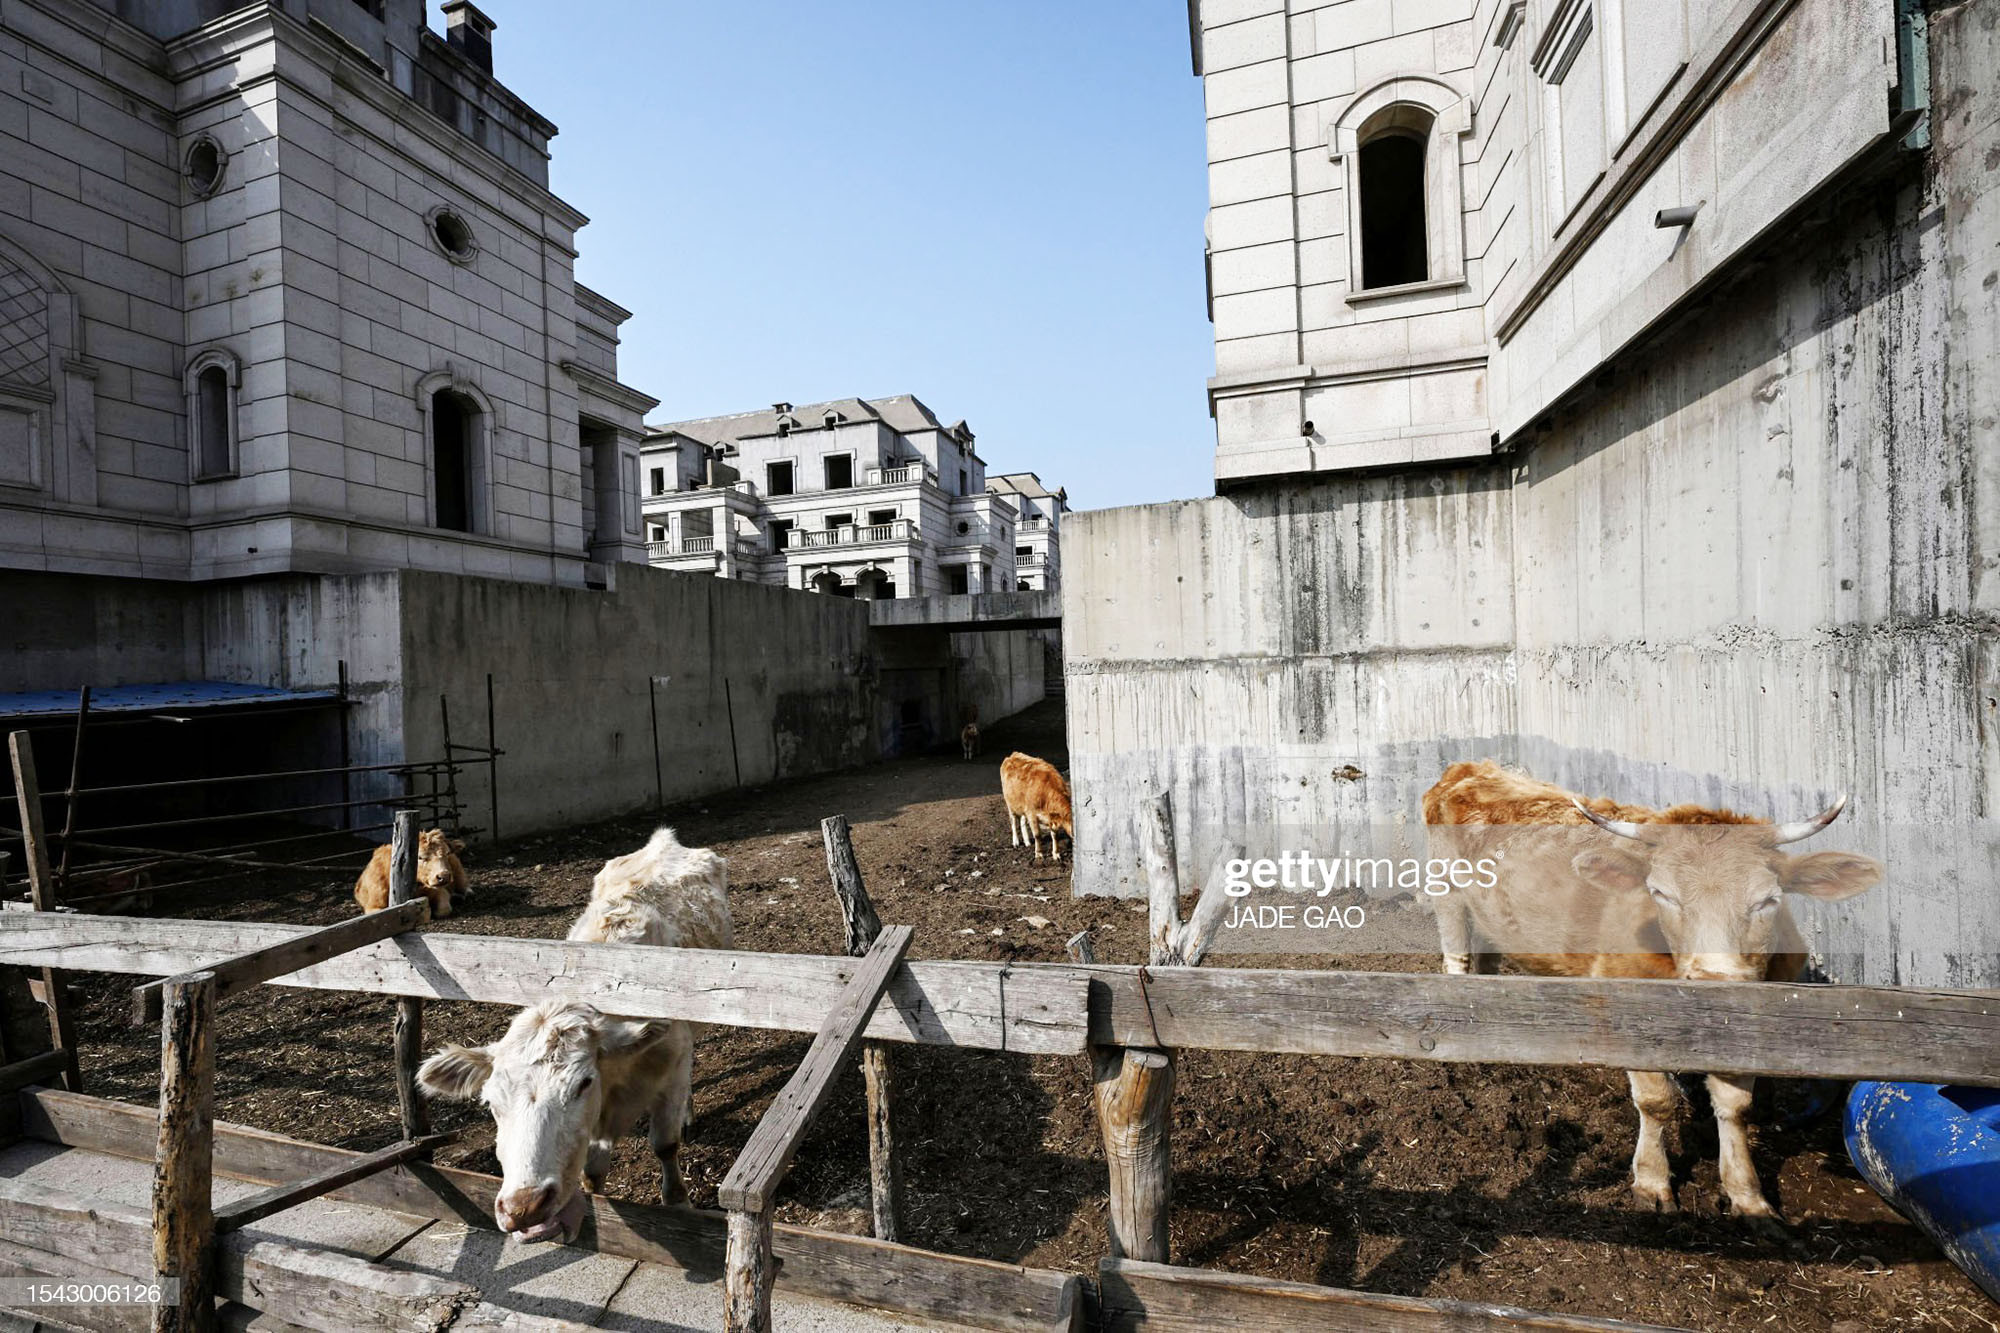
(283, 289)
(871, 498)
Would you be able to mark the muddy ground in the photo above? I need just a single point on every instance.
(1490, 1183)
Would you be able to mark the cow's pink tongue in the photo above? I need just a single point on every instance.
(567, 1222)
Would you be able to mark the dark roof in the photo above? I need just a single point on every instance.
(177, 696)
(903, 413)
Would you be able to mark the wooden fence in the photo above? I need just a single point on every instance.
(1129, 1021)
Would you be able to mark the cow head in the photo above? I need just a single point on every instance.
(546, 1083)
(434, 856)
(1718, 888)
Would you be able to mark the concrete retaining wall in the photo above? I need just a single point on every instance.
(748, 683)
(753, 684)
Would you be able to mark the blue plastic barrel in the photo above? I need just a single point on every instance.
(1934, 1153)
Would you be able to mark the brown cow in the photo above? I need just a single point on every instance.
(1037, 802)
(440, 876)
(1687, 893)
(968, 739)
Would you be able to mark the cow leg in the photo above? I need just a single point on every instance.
(670, 1116)
(1652, 1182)
(1055, 852)
(597, 1165)
(1013, 829)
(1454, 924)
(1731, 1099)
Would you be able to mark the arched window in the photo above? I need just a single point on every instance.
(212, 379)
(452, 419)
(1394, 249)
(1398, 147)
(459, 426)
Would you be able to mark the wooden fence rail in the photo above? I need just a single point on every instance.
(1766, 1028)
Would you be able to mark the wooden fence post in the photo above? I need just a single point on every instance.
(41, 889)
(885, 1180)
(1133, 1086)
(749, 1188)
(409, 1012)
(183, 1216)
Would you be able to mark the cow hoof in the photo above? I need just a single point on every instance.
(1655, 1198)
(1761, 1221)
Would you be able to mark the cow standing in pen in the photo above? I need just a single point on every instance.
(1687, 893)
(1037, 802)
(567, 1081)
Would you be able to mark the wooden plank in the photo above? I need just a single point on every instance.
(18, 1263)
(979, 1293)
(42, 895)
(407, 1034)
(878, 1075)
(240, 973)
(183, 1223)
(256, 1207)
(987, 1006)
(1723, 1027)
(34, 1069)
(1155, 1298)
(316, 1289)
(755, 1174)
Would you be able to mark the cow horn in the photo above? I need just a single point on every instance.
(1624, 828)
(1805, 828)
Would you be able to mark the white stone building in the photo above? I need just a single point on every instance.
(283, 289)
(869, 498)
(1038, 534)
(1433, 220)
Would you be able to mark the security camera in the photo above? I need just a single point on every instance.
(1306, 429)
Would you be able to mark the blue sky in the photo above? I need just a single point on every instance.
(993, 204)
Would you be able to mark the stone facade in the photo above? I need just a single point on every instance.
(1529, 145)
(868, 498)
(283, 289)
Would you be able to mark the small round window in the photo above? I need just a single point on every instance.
(204, 165)
(453, 236)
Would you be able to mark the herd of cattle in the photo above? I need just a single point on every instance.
(1589, 887)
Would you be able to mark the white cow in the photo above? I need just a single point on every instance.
(567, 1080)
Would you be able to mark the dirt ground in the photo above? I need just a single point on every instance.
(1472, 1182)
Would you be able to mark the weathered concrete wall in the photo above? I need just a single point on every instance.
(1754, 569)
(1000, 673)
(929, 679)
(1240, 651)
(754, 683)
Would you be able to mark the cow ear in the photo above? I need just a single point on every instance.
(456, 1073)
(1830, 875)
(1610, 868)
(458, 844)
(620, 1038)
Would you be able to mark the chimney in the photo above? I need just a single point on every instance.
(470, 31)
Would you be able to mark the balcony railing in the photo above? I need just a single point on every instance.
(903, 475)
(902, 530)
(688, 546)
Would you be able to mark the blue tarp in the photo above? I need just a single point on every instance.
(174, 696)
